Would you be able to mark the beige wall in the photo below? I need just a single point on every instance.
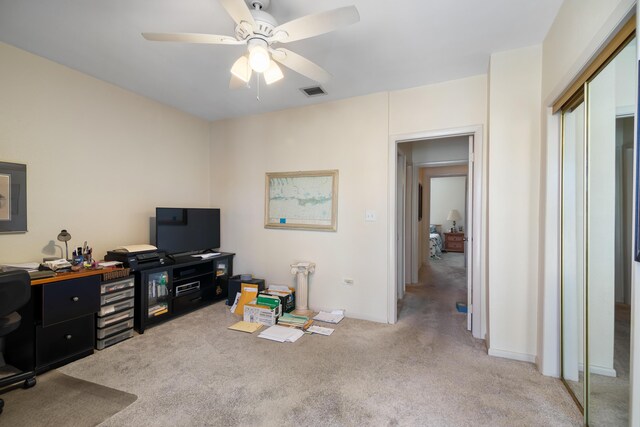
(448, 193)
(514, 196)
(99, 159)
(352, 136)
(447, 105)
(580, 28)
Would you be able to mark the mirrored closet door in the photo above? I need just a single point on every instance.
(597, 214)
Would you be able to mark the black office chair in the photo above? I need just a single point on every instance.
(15, 292)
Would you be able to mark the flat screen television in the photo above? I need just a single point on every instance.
(187, 230)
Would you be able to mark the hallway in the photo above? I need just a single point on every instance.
(483, 390)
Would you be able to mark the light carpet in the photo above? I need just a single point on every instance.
(60, 400)
(424, 370)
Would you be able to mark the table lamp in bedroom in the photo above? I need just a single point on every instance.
(454, 216)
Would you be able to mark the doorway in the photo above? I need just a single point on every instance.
(445, 237)
(473, 224)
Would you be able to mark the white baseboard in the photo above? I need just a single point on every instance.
(350, 314)
(599, 370)
(522, 357)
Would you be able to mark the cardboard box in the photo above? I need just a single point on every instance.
(256, 313)
(287, 299)
(271, 301)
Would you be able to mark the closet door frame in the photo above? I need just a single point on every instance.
(573, 96)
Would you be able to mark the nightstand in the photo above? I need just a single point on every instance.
(454, 242)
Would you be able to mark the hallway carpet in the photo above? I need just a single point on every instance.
(425, 370)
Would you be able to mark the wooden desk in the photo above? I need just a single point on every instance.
(72, 275)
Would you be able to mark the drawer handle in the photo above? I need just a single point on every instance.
(68, 336)
(75, 299)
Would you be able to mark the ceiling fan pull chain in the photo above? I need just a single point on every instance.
(258, 86)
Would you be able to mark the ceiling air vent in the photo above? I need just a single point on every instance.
(313, 91)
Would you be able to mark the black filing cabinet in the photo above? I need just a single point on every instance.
(67, 330)
(58, 325)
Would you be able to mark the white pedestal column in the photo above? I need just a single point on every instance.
(302, 271)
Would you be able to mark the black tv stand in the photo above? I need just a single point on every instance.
(186, 285)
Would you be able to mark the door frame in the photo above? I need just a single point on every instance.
(400, 207)
(477, 270)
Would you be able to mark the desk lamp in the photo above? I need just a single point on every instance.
(64, 236)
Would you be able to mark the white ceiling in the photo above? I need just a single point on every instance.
(397, 44)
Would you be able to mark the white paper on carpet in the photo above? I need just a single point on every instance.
(281, 334)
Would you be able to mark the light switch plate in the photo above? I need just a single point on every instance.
(370, 215)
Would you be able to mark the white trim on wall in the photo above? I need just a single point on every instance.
(512, 355)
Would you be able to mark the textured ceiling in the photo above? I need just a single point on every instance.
(397, 44)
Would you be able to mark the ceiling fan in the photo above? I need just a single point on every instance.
(260, 32)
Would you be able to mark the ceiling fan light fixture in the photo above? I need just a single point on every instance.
(273, 73)
(241, 69)
(259, 58)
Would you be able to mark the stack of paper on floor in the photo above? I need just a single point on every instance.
(288, 319)
(320, 330)
(281, 334)
(334, 317)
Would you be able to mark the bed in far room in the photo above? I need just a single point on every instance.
(435, 241)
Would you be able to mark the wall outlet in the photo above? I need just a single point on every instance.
(347, 281)
(370, 215)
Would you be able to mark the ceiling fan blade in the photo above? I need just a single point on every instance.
(238, 11)
(314, 25)
(191, 38)
(300, 65)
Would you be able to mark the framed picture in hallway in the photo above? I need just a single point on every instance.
(13, 198)
(419, 202)
(302, 200)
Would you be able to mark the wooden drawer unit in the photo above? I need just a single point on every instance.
(70, 299)
(64, 341)
(454, 242)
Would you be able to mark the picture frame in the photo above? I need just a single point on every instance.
(419, 202)
(303, 200)
(13, 198)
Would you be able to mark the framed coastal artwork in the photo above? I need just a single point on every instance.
(302, 200)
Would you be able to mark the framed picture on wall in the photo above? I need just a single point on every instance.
(419, 202)
(302, 200)
(13, 198)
